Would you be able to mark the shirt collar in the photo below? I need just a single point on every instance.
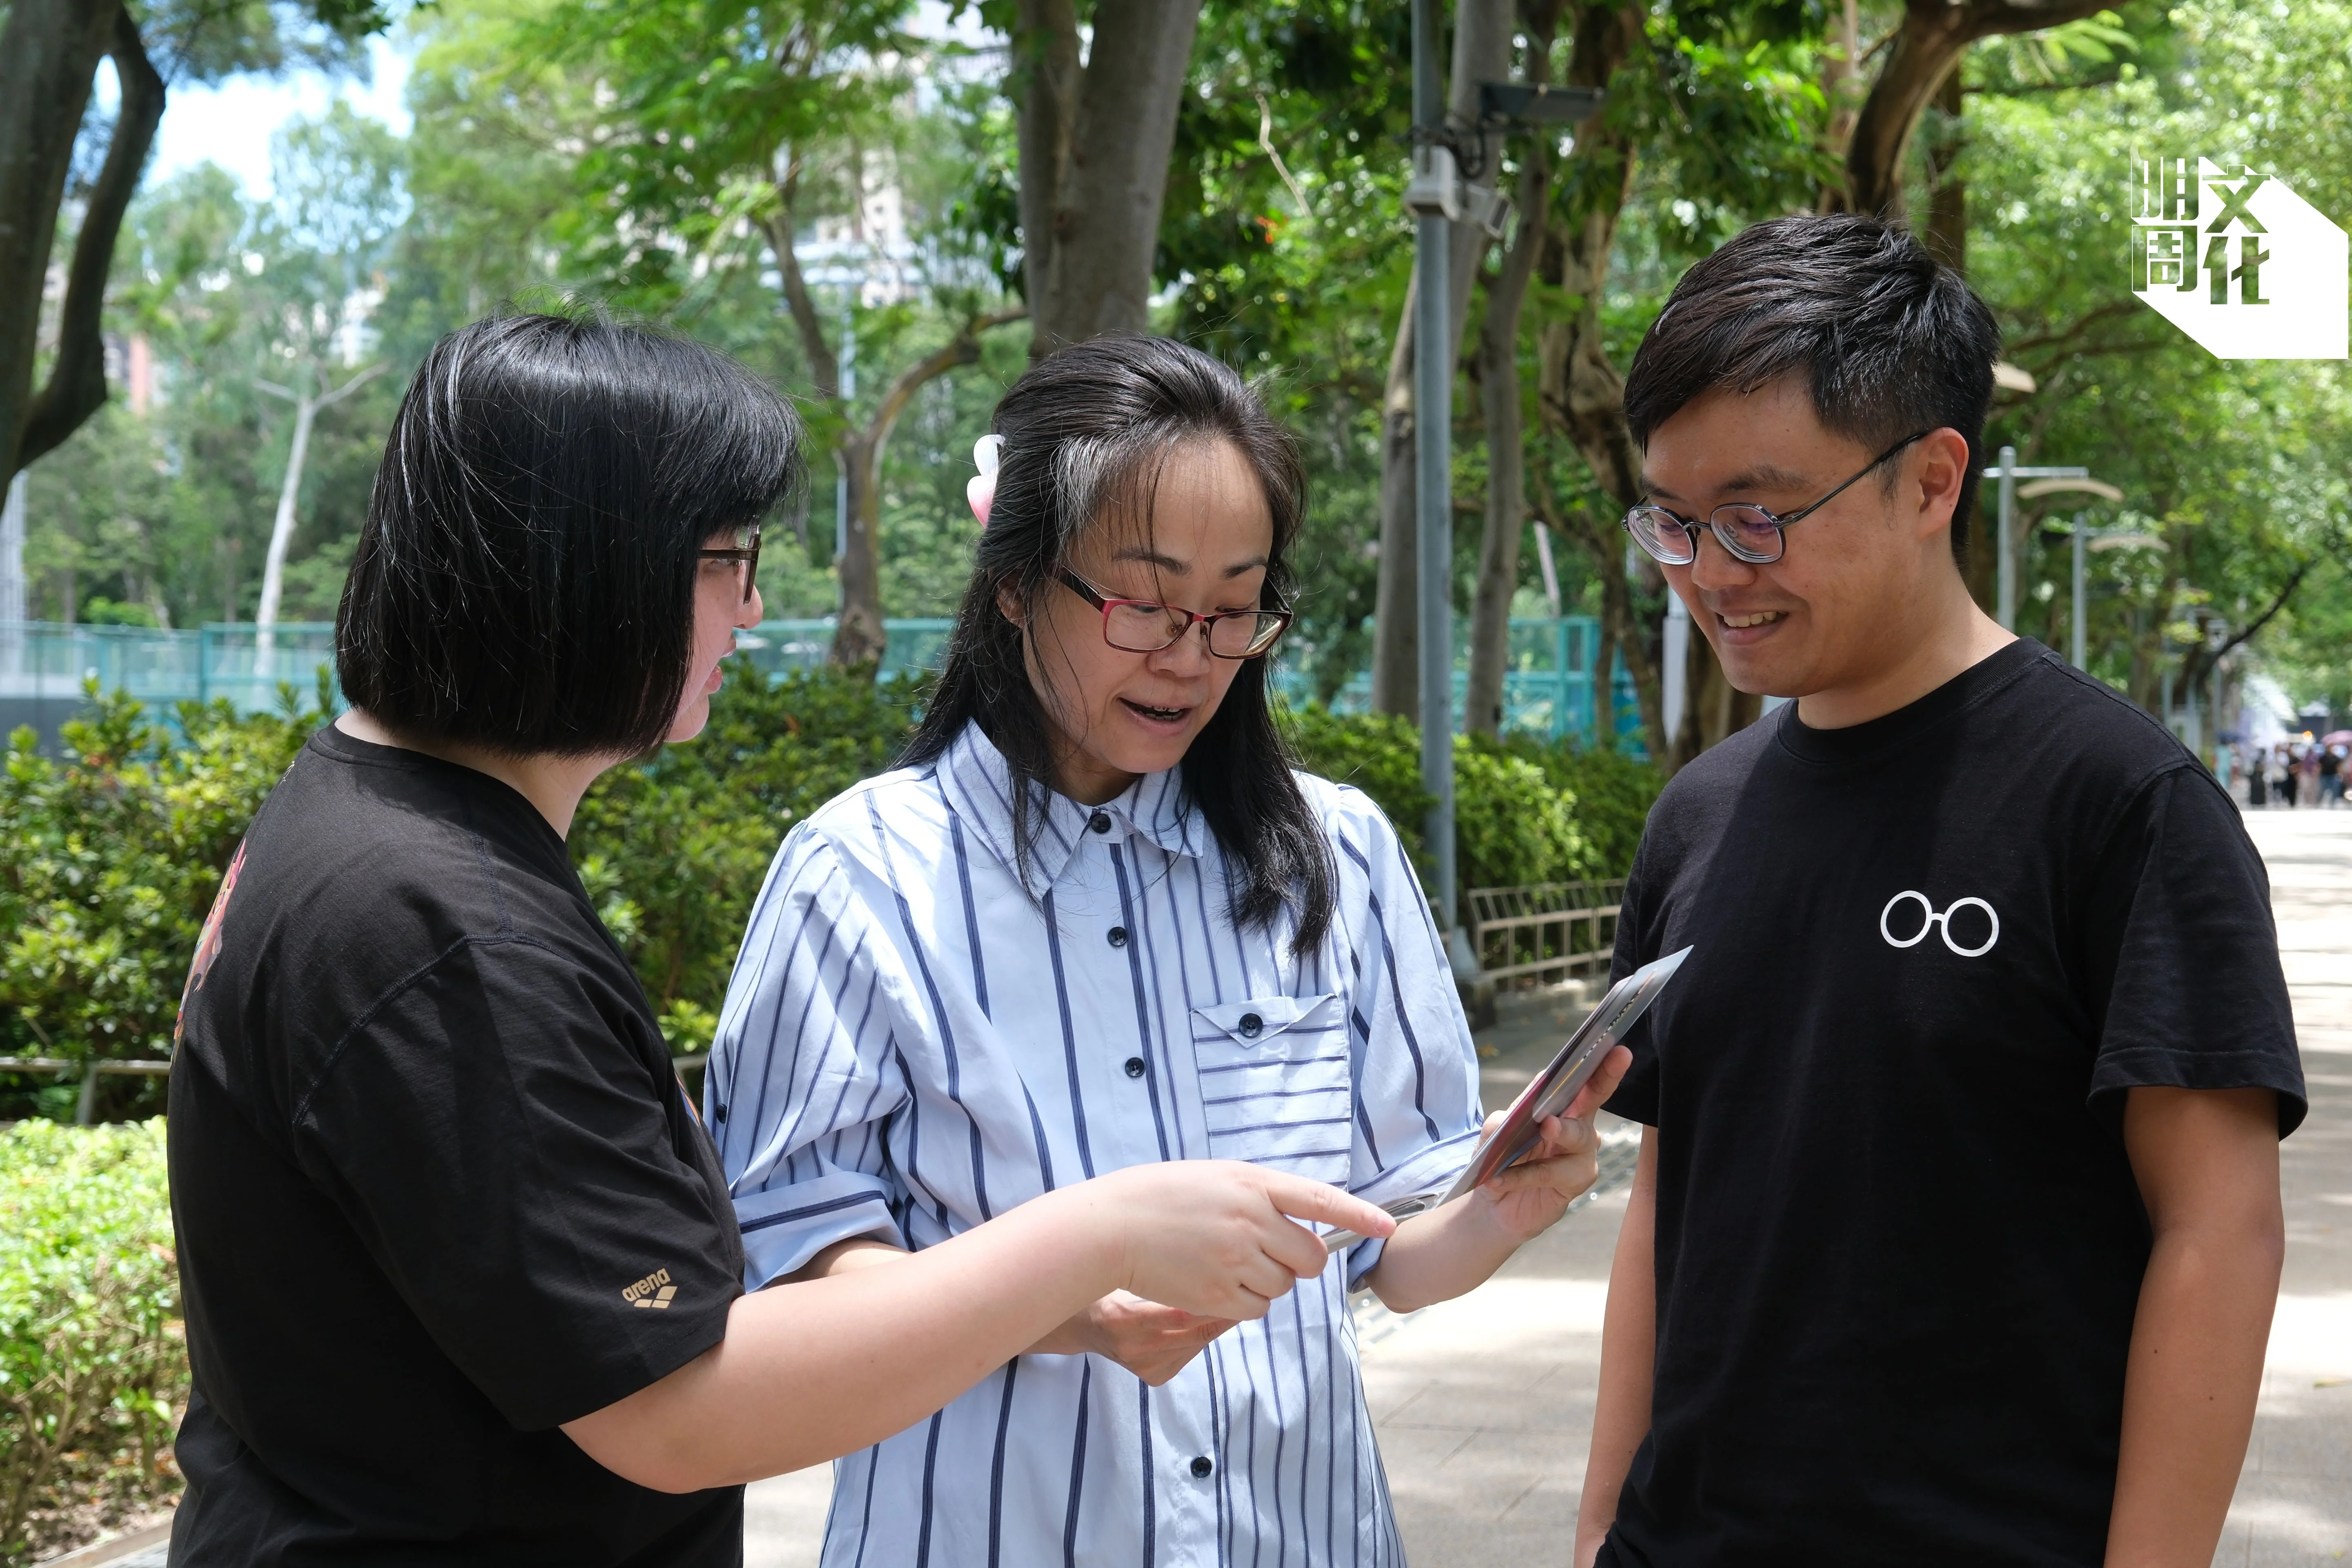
(978, 786)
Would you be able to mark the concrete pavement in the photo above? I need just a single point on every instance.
(1485, 1405)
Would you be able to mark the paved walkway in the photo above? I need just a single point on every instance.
(1484, 1404)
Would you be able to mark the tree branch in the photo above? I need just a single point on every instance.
(369, 373)
(77, 384)
(825, 372)
(961, 349)
(2200, 660)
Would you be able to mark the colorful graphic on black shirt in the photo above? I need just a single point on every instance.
(207, 945)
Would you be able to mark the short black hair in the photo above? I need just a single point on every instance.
(1889, 340)
(525, 578)
(1086, 432)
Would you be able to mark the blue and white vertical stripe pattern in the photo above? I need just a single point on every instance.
(914, 1040)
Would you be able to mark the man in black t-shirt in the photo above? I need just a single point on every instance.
(1956, 1231)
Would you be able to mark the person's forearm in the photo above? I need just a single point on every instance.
(1438, 1256)
(1628, 1330)
(2196, 1371)
(836, 1351)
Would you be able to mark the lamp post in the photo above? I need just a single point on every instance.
(2005, 548)
(2073, 481)
(1436, 200)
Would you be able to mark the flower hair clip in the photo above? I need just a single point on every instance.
(981, 489)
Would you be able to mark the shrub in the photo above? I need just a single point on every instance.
(92, 1361)
(673, 850)
(1525, 810)
(108, 862)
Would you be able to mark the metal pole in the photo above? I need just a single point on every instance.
(2075, 625)
(1432, 422)
(2005, 590)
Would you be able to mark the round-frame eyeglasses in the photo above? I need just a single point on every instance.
(1747, 532)
(1141, 625)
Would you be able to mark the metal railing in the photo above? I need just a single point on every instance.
(1544, 932)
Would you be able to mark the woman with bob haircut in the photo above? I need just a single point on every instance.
(463, 1281)
(1096, 923)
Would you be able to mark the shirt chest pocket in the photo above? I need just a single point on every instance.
(1274, 1086)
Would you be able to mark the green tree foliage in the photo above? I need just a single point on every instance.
(93, 1366)
(2237, 467)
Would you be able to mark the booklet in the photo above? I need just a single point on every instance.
(1549, 1094)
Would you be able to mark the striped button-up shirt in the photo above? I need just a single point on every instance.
(916, 1038)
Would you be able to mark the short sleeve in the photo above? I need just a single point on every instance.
(804, 1076)
(2181, 955)
(495, 1133)
(1415, 1066)
(1636, 1099)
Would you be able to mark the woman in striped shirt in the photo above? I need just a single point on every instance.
(1096, 920)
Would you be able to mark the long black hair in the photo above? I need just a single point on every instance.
(1086, 432)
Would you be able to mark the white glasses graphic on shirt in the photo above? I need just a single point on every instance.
(1929, 917)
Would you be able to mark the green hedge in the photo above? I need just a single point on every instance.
(93, 1363)
(109, 860)
(1524, 811)
(673, 850)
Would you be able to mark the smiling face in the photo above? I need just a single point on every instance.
(720, 611)
(1864, 587)
(1117, 714)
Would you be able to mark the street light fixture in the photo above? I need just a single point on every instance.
(2008, 473)
(2081, 483)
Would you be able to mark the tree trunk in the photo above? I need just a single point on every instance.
(1482, 52)
(1948, 193)
(1498, 391)
(858, 637)
(1396, 634)
(48, 51)
(1094, 144)
(281, 534)
(304, 396)
(1925, 49)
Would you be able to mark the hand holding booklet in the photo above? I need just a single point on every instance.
(1549, 1093)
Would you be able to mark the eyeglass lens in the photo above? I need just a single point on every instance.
(1147, 628)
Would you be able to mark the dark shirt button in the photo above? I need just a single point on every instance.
(1252, 1023)
(1203, 1466)
(1135, 1067)
(718, 1113)
(1118, 936)
(1099, 822)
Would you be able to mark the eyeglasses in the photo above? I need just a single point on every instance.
(747, 554)
(1139, 625)
(1747, 532)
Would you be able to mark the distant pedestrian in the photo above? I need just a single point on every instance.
(2258, 783)
(2289, 775)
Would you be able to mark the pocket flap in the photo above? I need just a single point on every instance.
(1262, 1018)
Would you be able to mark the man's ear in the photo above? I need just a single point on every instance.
(1942, 468)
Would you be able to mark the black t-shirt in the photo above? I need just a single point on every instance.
(437, 1191)
(1899, 1244)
